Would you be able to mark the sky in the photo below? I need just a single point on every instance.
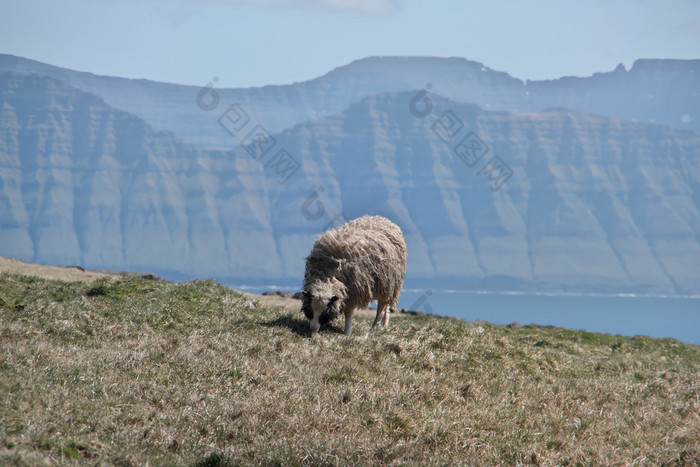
(247, 43)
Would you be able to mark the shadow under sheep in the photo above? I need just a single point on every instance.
(298, 325)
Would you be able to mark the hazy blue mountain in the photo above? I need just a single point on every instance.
(661, 91)
(175, 107)
(655, 91)
(573, 201)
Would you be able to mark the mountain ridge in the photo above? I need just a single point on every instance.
(591, 204)
(175, 107)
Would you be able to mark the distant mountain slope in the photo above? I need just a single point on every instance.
(592, 203)
(592, 200)
(85, 184)
(663, 91)
(174, 107)
(653, 90)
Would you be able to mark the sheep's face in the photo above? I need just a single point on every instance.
(323, 302)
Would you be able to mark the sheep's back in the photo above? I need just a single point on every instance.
(372, 255)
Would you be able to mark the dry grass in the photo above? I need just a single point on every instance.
(15, 266)
(136, 372)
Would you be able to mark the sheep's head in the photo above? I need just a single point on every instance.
(323, 301)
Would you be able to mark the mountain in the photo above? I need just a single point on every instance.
(487, 199)
(86, 184)
(657, 91)
(175, 107)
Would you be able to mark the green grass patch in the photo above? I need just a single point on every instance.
(136, 372)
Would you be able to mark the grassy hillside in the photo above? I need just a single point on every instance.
(135, 372)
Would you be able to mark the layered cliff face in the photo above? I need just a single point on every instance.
(551, 200)
(589, 200)
(85, 184)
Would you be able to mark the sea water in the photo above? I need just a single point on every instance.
(625, 314)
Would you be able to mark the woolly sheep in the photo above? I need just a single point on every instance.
(349, 267)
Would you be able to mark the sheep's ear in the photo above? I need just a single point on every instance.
(333, 299)
(305, 294)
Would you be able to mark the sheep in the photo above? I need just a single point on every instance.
(349, 267)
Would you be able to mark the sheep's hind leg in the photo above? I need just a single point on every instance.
(382, 313)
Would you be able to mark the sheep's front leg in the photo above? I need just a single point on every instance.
(382, 313)
(385, 321)
(348, 322)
